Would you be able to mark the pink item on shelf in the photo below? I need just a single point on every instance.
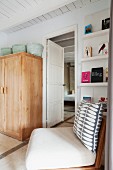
(86, 77)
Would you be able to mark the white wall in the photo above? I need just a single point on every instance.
(3, 40)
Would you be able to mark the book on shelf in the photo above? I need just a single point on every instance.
(87, 99)
(97, 75)
(86, 77)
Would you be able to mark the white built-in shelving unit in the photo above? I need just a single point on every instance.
(95, 90)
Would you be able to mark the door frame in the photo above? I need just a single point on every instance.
(44, 41)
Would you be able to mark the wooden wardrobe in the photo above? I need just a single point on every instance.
(20, 94)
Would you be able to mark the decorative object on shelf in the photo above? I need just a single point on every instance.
(86, 77)
(106, 73)
(102, 99)
(6, 51)
(17, 48)
(106, 23)
(88, 29)
(35, 48)
(103, 49)
(97, 75)
(87, 99)
(88, 52)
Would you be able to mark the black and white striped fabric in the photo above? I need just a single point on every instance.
(87, 124)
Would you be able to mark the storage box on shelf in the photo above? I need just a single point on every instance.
(6, 51)
(17, 48)
(35, 49)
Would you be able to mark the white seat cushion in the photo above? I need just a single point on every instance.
(51, 148)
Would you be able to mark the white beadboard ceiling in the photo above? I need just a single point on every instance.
(19, 14)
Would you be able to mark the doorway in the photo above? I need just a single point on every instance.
(65, 39)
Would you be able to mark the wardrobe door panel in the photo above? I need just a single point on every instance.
(31, 95)
(1, 94)
(13, 96)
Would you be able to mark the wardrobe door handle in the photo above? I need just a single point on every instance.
(1, 90)
(5, 90)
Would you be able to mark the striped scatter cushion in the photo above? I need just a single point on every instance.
(87, 124)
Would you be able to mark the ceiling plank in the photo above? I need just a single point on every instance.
(33, 21)
(4, 13)
(27, 24)
(52, 14)
(64, 9)
(85, 2)
(21, 2)
(58, 12)
(6, 5)
(24, 3)
(71, 6)
(37, 20)
(78, 4)
(32, 2)
(42, 18)
(47, 16)
(16, 5)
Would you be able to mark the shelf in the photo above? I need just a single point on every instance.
(96, 34)
(103, 84)
(99, 57)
